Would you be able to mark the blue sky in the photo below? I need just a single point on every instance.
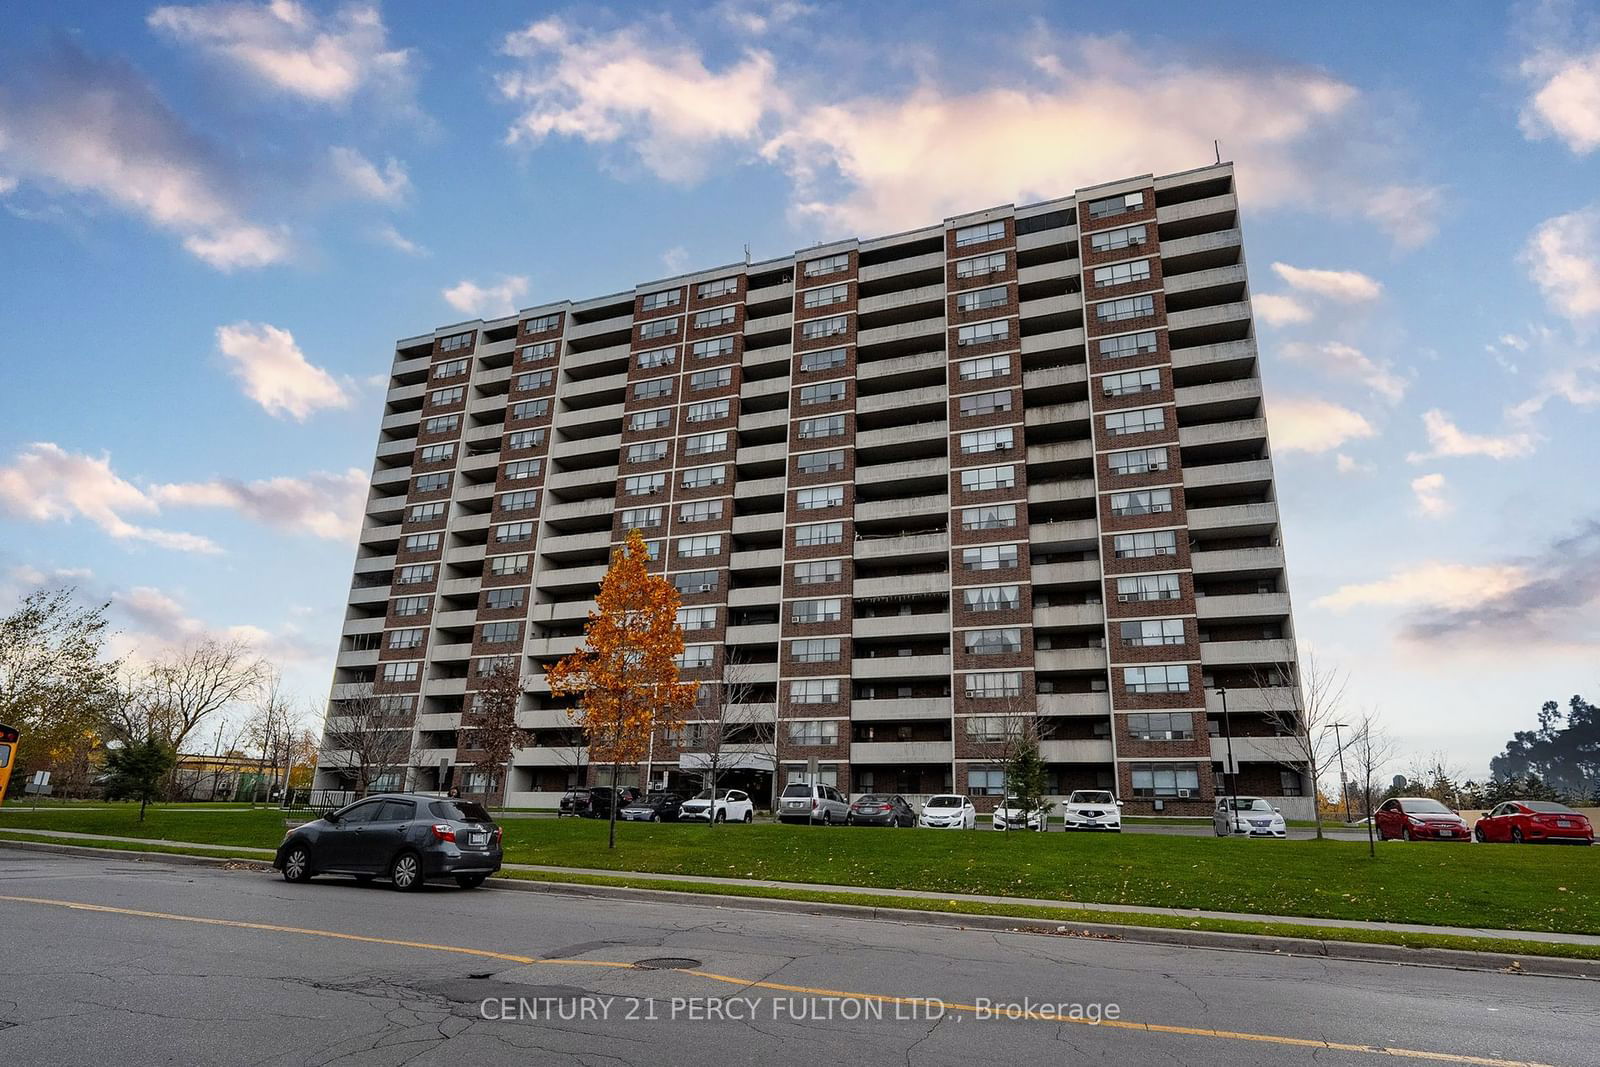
(219, 217)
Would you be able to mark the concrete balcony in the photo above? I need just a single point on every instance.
(402, 420)
(1241, 392)
(375, 565)
(1266, 652)
(459, 586)
(1075, 705)
(542, 756)
(765, 522)
(572, 577)
(919, 363)
(604, 445)
(1056, 235)
(909, 265)
(924, 708)
(451, 620)
(544, 719)
(470, 523)
(1241, 518)
(400, 393)
(1064, 374)
(465, 554)
(1253, 701)
(1219, 433)
(615, 324)
(1206, 279)
(1082, 572)
(1266, 560)
(874, 667)
(482, 461)
(543, 647)
(901, 752)
(902, 398)
(480, 491)
(1258, 749)
(1209, 316)
(368, 594)
(561, 611)
(373, 535)
(767, 293)
(577, 510)
(892, 473)
(923, 329)
(1070, 535)
(431, 757)
(439, 721)
(1254, 472)
(1060, 452)
(367, 658)
(757, 559)
(936, 624)
(479, 434)
(900, 298)
(766, 387)
(1053, 341)
(403, 447)
(595, 357)
(892, 436)
(755, 634)
(764, 357)
(1213, 356)
(1070, 659)
(1225, 204)
(920, 507)
(462, 650)
(752, 488)
(595, 476)
(386, 505)
(920, 545)
(776, 452)
(362, 626)
(1053, 414)
(607, 418)
(1056, 492)
(588, 393)
(1060, 304)
(903, 584)
(763, 420)
(1055, 270)
(391, 476)
(415, 365)
(1244, 606)
(1219, 241)
(1062, 615)
(756, 596)
(1075, 751)
(444, 687)
(768, 324)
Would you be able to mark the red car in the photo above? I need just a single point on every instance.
(1419, 819)
(1520, 821)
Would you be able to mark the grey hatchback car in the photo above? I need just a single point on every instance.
(406, 837)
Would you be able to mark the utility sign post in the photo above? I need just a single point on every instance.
(39, 786)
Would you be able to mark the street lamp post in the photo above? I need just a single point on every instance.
(1227, 731)
(1344, 783)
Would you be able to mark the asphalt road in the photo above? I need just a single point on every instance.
(335, 973)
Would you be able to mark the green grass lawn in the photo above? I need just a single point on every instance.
(1495, 886)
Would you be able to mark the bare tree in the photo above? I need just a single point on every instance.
(368, 737)
(270, 728)
(1302, 725)
(492, 733)
(1007, 734)
(185, 686)
(1371, 751)
(731, 725)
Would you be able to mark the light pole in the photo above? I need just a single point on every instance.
(1227, 731)
(1344, 783)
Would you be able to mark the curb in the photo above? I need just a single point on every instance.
(1453, 959)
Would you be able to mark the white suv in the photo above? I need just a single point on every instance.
(812, 803)
(1092, 809)
(733, 805)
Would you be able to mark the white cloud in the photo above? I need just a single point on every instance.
(755, 17)
(1563, 258)
(7, 184)
(1446, 439)
(314, 57)
(387, 234)
(487, 301)
(1409, 214)
(159, 622)
(1276, 309)
(322, 504)
(46, 483)
(1443, 585)
(1343, 361)
(1578, 384)
(675, 259)
(275, 373)
(1564, 86)
(362, 176)
(1429, 491)
(1348, 286)
(77, 124)
(1347, 464)
(1306, 424)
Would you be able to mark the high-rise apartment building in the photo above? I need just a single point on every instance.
(1011, 466)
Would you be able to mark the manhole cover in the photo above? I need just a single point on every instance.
(667, 963)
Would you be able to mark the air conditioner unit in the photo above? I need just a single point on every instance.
(1123, 598)
(1183, 794)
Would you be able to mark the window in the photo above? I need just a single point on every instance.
(828, 496)
(518, 470)
(816, 610)
(443, 397)
(982, 333)
(700, 511)
(648, 452)
(816, 268)
(983, 231)
(819, 533)
(641, 518)
(1122, 273)
(1138, 461)
(427, 542)
(986, 403)
(416, 574)
(984, 479)
(702, 443)
(426, 512)
(530, 409)
(989, 517)
(992, 727)
(695, 656)
(656, 301)
(643, 484)
(992, 598)
(827, 426)
(720, 346)
(504, 599)
(650, 420)
(1129, 307)
(979, 299)
(819, 572)
(707, 411)
(832, 326)
(487, 665)
(826, 393)
(978, 266)
(656, 357)
(524, 439)
(652, 389)
(541, 324)
(814, 650)
(711, 379)
(441, 424)
(985, 781)
(513, 531)
(1140, 420)
(429, 483)
(525, 500)
(989, 557)
(697, 618)
(437, 453)
(994, 685)
(1126, 237)
(405, 638)
(972, 370)
(1136, 545)
(1153, 632)
(1157, 678)
(538, 379)
(455, 341)
(649, 331)
(811, 732)
(695, 581)
(720, 287)
(1115, 205)
(701, 477)
(1148, 587)
(994, 642)
(532, 353)
(987, 441)
(701, 545)
(827, 359)
(1129, 344)
(1138, 381)
(450, 368)
(1141, 502)
(503, 565)
(1165, 779)
(820, 462)
(402, 672)
(814, 691)
(705, 320)
(498, 633)
(411, 605)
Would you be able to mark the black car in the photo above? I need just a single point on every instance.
(881, 809)
(597, 803)
(573, 802)
(657, 807)
(406, 837)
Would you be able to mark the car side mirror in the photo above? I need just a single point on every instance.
(332, 816)
(1278, 810)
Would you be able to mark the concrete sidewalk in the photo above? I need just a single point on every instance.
(889, 895)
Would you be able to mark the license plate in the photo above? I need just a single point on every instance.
(1563, 822)
(1447, 833)
(477, 839)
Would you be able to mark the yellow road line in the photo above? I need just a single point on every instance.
(1012, 1013)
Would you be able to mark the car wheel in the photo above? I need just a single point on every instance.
(722, 816)
(470, 881)
(1477, 835)
(405, 873)
(655, 816)
(750, 816)
(1516, 835)
(1405, 835)
(297, 865)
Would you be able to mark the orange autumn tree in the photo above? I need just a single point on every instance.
(625, 675)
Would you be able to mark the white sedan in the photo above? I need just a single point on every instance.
(1011, 816)
(1250, 816)
(948, 811)
(733, 805)
(1092, 809)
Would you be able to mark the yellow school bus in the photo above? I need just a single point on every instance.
(8, 756)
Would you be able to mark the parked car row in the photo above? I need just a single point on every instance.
(1516, 822)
